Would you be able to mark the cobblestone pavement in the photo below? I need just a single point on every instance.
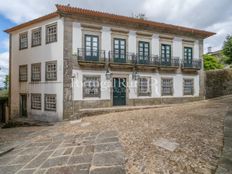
(49, 152)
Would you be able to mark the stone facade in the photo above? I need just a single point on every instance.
(218, 83)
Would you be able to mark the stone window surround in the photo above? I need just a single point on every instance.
(172, 87)
(39, 29)
(46, 108)
(46, 71)
(32, 65)
(192, 86)
(99, 87)
(48, 40)
(91, 32)
(21, 47)
(20, 73)
(149, 86)
(36, 102)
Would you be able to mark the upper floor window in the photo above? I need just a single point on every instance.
(36, 101)
(23, 73)
(36, 37)
(50, 102)
(119, 50)
(51, 70)
(188, 87)
(51, 33)
(167, 87)
(144, 86)
(23, 40)
(91, 86)
(36, 72)
(188, 55)
(165, 54)
(144, 52)
(91, 47)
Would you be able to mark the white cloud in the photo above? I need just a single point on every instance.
(4, 57)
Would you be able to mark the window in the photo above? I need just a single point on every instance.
(143, 52)
(188, 56)
(91, 86)
(50, 102)
(51, 33)
(120, 50)
(144, 86)
(165, 54)
(188, 87)
(36, 37)
(36, 72)
(167, 87)
(91, 48)
(23, 41)
(36, 101)
(51, 70)
(23, 73)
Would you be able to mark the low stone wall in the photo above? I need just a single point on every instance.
(218, 83)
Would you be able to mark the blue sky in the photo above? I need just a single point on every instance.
(211, 15)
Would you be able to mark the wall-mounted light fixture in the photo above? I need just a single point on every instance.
(108, 74)
(135, 75)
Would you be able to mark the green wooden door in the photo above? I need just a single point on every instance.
(188, 57)
(120, 50)
(91, 48)
(165, 55)
(23, 105)
(119, 91)
(144, 52)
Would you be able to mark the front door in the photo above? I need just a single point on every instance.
(119, 91)
(23, 105)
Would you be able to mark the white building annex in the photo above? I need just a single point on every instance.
(76, 58)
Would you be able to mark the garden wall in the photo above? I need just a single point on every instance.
(218, 83)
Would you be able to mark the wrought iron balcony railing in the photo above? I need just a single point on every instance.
(169, 62)
(91, 55)
(122, 58)
(191, 64)
(150, 60)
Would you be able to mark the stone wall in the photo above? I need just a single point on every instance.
(218, 83)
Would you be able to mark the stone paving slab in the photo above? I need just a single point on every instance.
(87, 153)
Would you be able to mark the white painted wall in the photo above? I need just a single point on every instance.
(155, 46)
(196, 51)
(39, 54)
(177, 48)
(76, 37)
(132, 42)
(106, 40)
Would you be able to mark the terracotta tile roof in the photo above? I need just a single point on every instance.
(119, 18)
(62, 9)
(26, 24)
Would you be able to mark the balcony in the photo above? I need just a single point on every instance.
(121, 60)
(191, 65)
(92, 58)
(147, 62)
(169, 63)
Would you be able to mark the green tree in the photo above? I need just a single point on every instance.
(211, 62)
(6, 82)
(227, 49)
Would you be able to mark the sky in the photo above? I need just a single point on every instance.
(211, 15)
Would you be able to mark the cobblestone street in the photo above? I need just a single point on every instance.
(181, 139)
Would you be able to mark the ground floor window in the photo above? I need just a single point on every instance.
(36, 101)
(144, 86)
(188, 87)
(91, 86)
(50, 102)
(167, 86)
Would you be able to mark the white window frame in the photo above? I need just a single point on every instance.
(50, 100)
(51, 72)
(23, 73)
(192, 87)
(171, 86)
(51, 33)
(23, 40)
(36, 72)
(141, 84)
(36, 37)
(36, 101)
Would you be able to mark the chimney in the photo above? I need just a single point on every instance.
(209, 49)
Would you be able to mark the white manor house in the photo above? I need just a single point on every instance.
(76, 59)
